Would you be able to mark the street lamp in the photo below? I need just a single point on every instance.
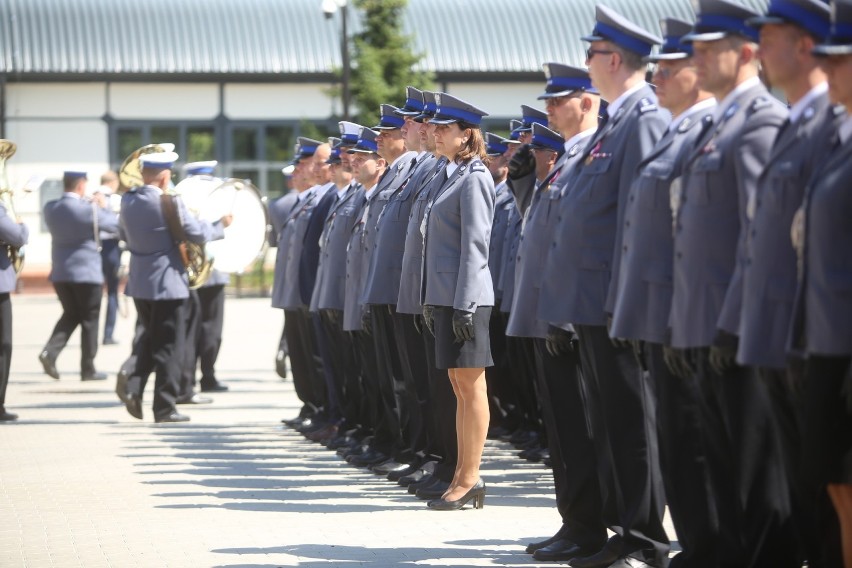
(329, 7)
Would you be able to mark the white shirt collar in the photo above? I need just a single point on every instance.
(699, 107)
(845, 129)
(798, 109)
(577, 138)
(323, 189)
(307, 193)
(729, 98)
(613, 107)
(451, 169)
(342, 190)
(368, 191)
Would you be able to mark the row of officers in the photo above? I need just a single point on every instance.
(652, 275)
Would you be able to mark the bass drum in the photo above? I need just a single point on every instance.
(245, 238)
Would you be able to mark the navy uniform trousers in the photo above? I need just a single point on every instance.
(81, 305)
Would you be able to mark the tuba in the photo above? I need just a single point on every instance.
(7, 150)
(195, 261)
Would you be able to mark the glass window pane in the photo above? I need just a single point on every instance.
(275, 184)
(200, 143)
(129, 139)
(244, 143)
(279, 143)
(162, 134)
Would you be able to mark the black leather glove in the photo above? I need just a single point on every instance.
(723, 352)
(429, 318)
(463, 325)
(367, 320)
(522, 163)
(418, 323)
(675, 360)
(559, 341)
(618, 342)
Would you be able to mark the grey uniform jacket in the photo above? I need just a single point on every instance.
(13, 234)
(156, 268)
(298, 225)
(385, 271)
(408, 301)
(644, 293)
(719, 175)
(822, 320)
(511, 240)
(769, 273)
(502, 205)
(74, 252)
(455, 245)
(279, 212)
(536, 235)
(331, 273)
(356, 263)
(583, 259)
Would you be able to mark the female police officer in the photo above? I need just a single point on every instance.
(456, 285)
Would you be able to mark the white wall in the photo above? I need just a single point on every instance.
(181, 101)
(281, 102)
(55, 100)
(499, 99)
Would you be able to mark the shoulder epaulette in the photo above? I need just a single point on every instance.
(478, 166)
(646, 105)
(759, 103)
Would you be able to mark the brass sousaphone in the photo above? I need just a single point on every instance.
(7, 150)
(198, 266)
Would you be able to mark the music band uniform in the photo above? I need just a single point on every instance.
(12, 234)
(76, 272)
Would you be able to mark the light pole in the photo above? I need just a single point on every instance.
(329, 7)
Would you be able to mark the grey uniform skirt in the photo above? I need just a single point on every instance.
(451, 354)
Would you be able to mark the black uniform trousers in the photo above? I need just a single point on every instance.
(189, 357)
(746, 468)
(158, 349)
(683, 461)
(209, 339)
(522, 364)
(305, 364)
(502, 401)
(826, 446)
(331, 351)
(418, 428)
(110, 262)
(444, 405)
(81, 305)
(572, 450)
(388, 437)
(624, 429)
(5, 345)
(367, 387)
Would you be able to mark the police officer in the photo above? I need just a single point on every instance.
(158, 282)
(13, 233)
(76, 271)
(278, 210)
(644, 289)
(721, 172)
(788, 33)
(822, 320)
(456, 288)
(578, 288)
(572, 107)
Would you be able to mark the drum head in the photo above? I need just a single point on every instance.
(245, 238)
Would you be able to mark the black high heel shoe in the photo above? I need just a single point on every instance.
(476, 493)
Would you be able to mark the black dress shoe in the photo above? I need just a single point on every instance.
(560, 549)
(533, 546)
(194, 399)
(110, 341)
(293, 422)
(398, 474)
(424, 482)
(433, 491)
(121, 385)
(475, 494)
(93, 376)
(7, 416)
(370, 457)
(213, 386)
(601, 559)
(133, 403)
(388, 466)
(173, 417)
(414, 477)
(629, 562)
(49, 364)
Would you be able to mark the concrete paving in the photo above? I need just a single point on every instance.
(82, 483)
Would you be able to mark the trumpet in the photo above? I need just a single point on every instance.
(198, 266)
(7, 150)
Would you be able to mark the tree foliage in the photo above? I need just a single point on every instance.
(383, 60)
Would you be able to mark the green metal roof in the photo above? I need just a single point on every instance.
(129, 39)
